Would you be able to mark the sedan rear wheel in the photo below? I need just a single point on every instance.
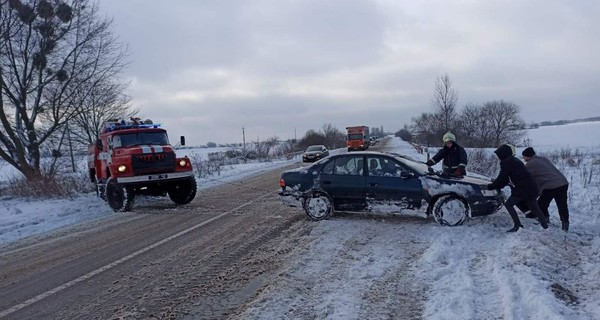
(318, 206)
(450, 210)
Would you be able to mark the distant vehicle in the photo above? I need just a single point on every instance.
(357, 138)
(374, 140)
(314, 153)
(385, 183)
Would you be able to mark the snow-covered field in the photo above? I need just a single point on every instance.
(474, 271)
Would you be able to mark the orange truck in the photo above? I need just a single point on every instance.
(357, 138)
(135, 157)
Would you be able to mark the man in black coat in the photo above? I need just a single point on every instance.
(454, 156)
(523, 187)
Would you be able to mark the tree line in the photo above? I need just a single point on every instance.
(487, 124)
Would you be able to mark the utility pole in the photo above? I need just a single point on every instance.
(244, 139)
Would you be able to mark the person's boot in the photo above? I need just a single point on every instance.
(516, 222)
(565, 226)
(542, 219)
(530, 215)
(544, 224)
(515, 228)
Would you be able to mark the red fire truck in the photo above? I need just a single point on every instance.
(135, 157)
(357, 138)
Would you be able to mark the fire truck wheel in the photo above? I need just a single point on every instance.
(183, 192)
(119, 198)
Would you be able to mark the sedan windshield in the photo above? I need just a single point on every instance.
(419, 167)
(314, 148)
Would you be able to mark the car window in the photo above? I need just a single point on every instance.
(374, 166)
(384, 167)
(328, 167)
(351, 165)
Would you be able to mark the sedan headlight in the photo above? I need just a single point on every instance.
(182, 163)
(122, 168)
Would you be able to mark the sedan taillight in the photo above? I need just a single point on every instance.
(282, 183)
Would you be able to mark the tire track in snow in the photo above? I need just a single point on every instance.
(488, 302)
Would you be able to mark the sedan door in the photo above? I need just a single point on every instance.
(391, 186)
(343, 178)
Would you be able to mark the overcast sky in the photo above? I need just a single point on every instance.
(205, 69)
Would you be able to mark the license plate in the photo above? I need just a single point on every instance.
(158, 177)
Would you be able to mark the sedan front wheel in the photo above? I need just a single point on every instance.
(450, 210)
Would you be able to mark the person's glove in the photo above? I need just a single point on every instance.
(429, 163)
(459, 172)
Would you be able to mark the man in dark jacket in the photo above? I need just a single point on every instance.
(454, 156)
(552, 184)
(523, 188)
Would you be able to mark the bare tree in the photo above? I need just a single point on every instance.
(334, 137)
(427, 129)
(106, 100)
(263, 148)
(51, 53)
(311, 137)
(504, 122)
(473, 127)
(444, 102)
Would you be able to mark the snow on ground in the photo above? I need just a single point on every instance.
(21, 218)
(379, 267)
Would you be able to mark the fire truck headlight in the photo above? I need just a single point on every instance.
(122, 168)
(182, 163)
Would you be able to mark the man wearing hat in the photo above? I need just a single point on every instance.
(552, 184)
(454, 156)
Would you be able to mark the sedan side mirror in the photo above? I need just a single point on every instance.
(182, 140)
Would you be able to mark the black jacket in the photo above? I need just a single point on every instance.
(454, 157)
(512, 170)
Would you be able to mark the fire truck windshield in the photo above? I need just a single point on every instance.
(355, 136)
(141, 138)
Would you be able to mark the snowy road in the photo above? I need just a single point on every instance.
(134, 265)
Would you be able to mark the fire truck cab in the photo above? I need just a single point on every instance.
(135, 157)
